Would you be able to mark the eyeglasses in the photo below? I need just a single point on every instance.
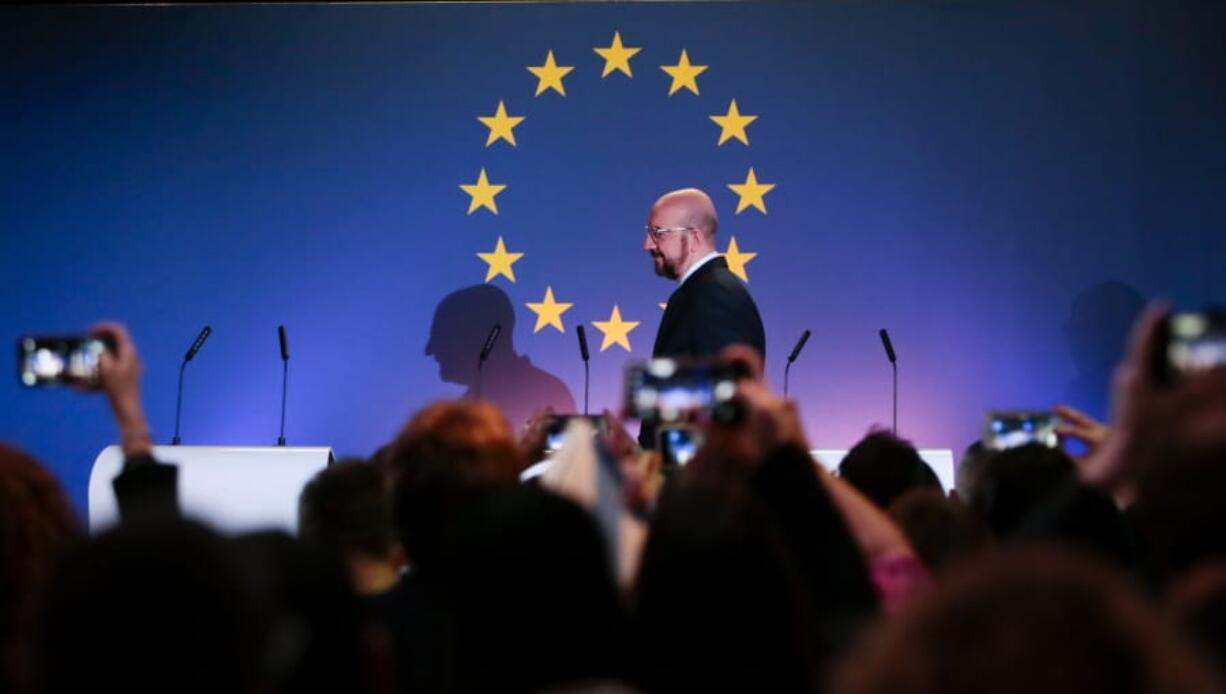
(656, 232)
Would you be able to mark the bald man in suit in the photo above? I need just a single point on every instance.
(711, 308)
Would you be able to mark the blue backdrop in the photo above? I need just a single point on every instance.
(998, 183)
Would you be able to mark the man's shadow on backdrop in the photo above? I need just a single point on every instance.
(1096, 332)
(462, 321)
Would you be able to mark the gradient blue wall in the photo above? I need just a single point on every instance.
(961, 173)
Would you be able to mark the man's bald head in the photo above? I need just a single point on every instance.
(680, 231)
(688, 207)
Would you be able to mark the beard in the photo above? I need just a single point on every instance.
(668, 268)
(661, 266)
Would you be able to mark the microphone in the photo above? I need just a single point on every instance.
(582, 342)
(889, 354)
(191, 354)
(800, 344)
(485, 352)
(889, 346)
(191, 351)
(583, 353)
(284, 378)
(489, 342)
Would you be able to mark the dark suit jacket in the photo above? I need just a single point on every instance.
(709, 311)
(147, 491)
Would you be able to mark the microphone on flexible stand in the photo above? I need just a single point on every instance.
(191, 354)
(889, 354)
(800, 344)
(485, 352)
(284, 378)
(584, 354)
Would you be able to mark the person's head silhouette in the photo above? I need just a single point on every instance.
(462, 322)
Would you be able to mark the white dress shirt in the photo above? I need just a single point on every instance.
(694, 268)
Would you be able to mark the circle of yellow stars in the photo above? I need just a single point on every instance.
(550, 77)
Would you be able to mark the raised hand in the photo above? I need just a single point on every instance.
(119, 373)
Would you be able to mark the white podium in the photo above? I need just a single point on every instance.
(231, 488)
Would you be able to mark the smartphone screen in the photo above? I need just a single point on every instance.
(678, 445)
(667, 390)
(555, 436)
(49, 361)
(1196, 342)
(1010, 429)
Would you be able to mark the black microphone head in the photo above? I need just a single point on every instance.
(800, 344)
(284, 343)
(199, 342)
(889, 346)
(490, 340)
(582, 342)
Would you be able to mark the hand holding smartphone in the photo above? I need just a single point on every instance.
(1005, 429)
(103, 360)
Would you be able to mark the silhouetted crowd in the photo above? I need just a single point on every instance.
(435, 566)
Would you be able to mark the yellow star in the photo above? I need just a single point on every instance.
(501, 125)
(732, 124)
(751, 192)
(616, 331)
(737, 260)
(482, 193)
(500, 261)
(616, 56)
(663, 305)
(683, 74)
(549, 312)
(549, 75)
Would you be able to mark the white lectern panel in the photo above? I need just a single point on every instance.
(231, 488)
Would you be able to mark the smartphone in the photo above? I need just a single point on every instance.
(50, 360)
(1195, 342)
(1010, 429)
(678, 445)
(671, 390)
(555, 435)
